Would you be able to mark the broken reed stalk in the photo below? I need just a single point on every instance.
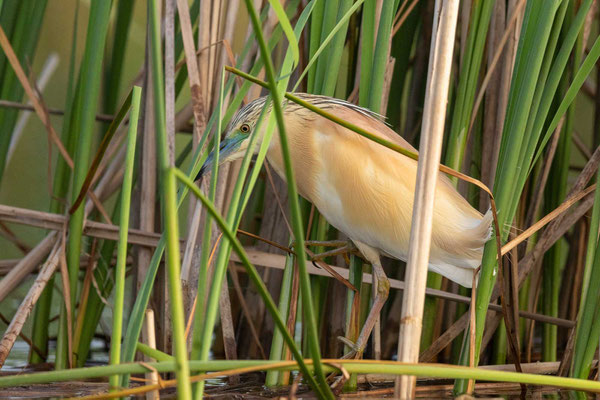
(16, 325)
(150, 333)
(26, 265)
(432, 132)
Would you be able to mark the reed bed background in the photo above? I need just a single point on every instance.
(104, 236)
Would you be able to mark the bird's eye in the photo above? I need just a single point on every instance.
(245, 128)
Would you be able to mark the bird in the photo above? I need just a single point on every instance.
(363, 189)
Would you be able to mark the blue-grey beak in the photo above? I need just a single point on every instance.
(228, 146)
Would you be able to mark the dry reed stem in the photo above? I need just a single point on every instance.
(66, 292)
(150, 334)
(169, 49)
(503, 93)
(189, 48)
(147, 197)
(25, 338)
(432, 132)
(55, 222)
(52, 111)
(488, 136)
(228, 327)
(8, 264)
(198, 112)
(190, 244)
(16, 325)
(26, 265)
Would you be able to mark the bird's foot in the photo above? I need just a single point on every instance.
(340, 247)
(355, 349)
(344, 250)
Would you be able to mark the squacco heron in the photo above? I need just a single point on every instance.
(365, 190)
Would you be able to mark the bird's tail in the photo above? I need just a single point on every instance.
(459, 266)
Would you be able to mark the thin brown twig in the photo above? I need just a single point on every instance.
(400, 21)
(581, 146)
(52, 111)
(7, 233)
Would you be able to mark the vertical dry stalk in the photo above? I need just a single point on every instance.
(442, 46)
(147, 197)
(228, 328)
(204, 41)
(151, 339)
(490, 131)
(170, 77)
(187, 34)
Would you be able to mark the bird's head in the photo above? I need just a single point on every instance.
(243, 125)
(237, 136)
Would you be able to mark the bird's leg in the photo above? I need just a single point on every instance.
(383, 289)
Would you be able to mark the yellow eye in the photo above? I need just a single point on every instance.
(245, 128)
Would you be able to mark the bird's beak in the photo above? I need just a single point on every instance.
(227, 149)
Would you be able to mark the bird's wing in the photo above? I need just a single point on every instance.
(367, 191)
